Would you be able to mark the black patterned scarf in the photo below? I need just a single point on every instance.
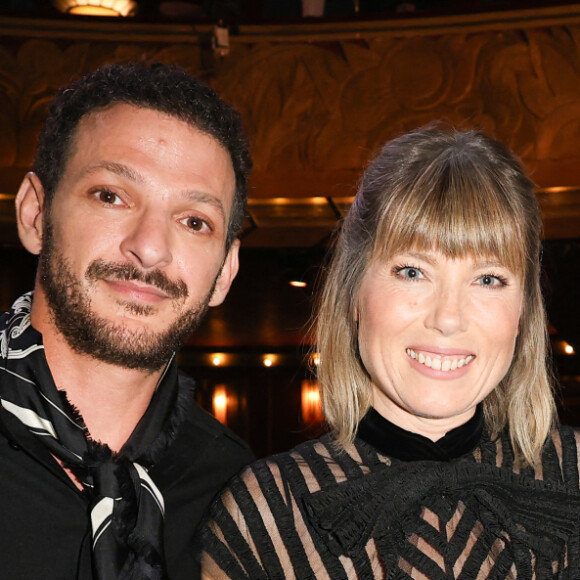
(127, 509)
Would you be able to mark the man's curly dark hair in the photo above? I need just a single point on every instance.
(165, 88)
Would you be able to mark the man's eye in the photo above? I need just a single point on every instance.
(195, 224)
(108, 197)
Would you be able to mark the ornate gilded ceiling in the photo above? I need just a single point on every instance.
(319, 99)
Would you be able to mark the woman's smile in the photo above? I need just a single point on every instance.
(436, 334)
(440, 362)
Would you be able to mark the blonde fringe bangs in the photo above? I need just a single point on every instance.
(461, 214)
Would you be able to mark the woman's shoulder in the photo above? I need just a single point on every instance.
(569, 429)
(565, 439)
(561, 455)
(310, 462)
(310, 467)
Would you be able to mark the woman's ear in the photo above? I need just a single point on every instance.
(29, 212)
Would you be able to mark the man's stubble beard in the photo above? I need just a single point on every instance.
(102, 339)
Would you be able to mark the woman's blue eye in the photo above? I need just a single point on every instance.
(492, 281)
(411, 273)
(408, 272)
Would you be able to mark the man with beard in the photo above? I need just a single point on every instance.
(136, 198)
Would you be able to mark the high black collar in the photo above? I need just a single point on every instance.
(396, 442)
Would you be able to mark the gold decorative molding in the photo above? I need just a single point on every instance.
(320, 99)
(305, 222)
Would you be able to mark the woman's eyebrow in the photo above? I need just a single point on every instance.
(432, 260)
(490, 264)
(425, 257)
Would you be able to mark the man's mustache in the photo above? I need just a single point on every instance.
(101, 270)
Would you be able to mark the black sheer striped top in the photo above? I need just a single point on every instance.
(457, 509)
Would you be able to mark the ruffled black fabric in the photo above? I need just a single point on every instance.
(394, 441)
(355, 512)
(539, 521)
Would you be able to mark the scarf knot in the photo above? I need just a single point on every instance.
(127, 508)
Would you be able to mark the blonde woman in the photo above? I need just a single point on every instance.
(444, 459)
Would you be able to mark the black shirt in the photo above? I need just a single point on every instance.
(44, 519)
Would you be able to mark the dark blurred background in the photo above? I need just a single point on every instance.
(321, 85)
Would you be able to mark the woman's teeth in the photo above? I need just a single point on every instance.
(440, 363)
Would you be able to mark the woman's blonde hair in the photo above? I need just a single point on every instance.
(464, 194)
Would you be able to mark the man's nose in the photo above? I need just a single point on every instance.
(148, 240)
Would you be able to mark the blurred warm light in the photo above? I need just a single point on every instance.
(281, 201)
(220, 404)
(268, 360)
(217, 360)
(569, 349)
(315, 359)
(311, 405)
(96, 7)
(93, 11)
(298, 284)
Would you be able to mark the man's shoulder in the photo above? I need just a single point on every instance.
(203, 445)
(200, 424)
(199, 428)
(205, 454)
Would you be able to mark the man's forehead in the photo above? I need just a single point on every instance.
(118, 113)
(96, 134)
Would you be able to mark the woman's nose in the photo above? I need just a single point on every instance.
(447, 312)
(147, 240)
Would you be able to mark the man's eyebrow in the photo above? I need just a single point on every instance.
(202, 197)
(117, 168)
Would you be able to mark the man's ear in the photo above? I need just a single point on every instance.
(29, 211)
(227, 275)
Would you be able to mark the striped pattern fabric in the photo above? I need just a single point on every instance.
(317, 513)
(127, 511)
